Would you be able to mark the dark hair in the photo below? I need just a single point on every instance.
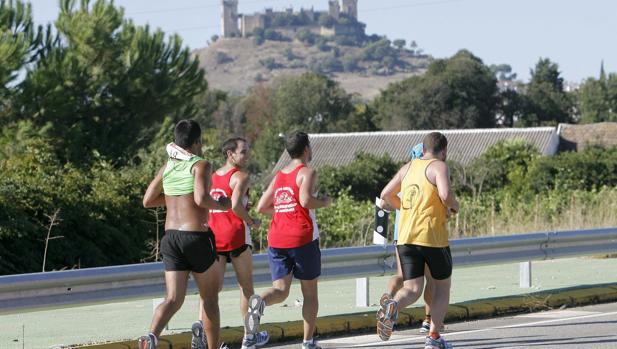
(295, 143)
(186, 133)
(435, 142)
(231, 144)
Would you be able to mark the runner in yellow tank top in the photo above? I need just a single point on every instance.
(423, 215)
(426, 202)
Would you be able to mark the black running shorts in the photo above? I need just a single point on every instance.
(228, 255)
(413, 258)
(188, 250)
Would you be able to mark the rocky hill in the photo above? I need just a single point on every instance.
(236, 64)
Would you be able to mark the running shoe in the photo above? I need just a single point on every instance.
(251, 341)
(386, 318)
(147, 342)
(439, 343)
(199, 340)
(384, 298)
(426, 327)
(224, 346)
(310, 345)
(254, 314)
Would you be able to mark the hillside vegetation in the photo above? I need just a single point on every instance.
(236, 64)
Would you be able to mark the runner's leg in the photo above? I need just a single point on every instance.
(243, 266)
(310, 306)
(207, 283)
(175, 282)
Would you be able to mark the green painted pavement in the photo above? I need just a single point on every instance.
(127, 320)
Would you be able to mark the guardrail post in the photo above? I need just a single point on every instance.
(525, 274)
(362, 299)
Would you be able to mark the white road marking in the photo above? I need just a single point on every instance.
(450, 334)
(556, 314)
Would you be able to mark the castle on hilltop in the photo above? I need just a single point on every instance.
(234, 24)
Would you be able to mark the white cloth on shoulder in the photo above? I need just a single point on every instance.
(176, 152)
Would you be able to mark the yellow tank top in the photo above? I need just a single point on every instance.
(423, 215)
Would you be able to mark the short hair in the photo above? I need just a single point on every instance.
(186, 133)
(435, 142)
(295, 143)
(231, 144)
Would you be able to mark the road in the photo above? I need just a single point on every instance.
(586, 327)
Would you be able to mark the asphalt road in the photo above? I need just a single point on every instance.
(586, 327)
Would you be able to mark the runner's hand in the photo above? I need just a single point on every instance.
(326, 200)
(454, 208)
(224, 202)
(255, 223)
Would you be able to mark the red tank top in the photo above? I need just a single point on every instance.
(230, 232)
(292, 225)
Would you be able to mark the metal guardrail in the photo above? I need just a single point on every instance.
(119, 283)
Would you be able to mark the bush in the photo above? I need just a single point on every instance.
(100, 218)
(331, 65)
(378, 50)
(350, 63)
(271, 34)
(306, 36)
(222, 57)
(591, 169)
(269, 63)
(322, 44)
(365, 177)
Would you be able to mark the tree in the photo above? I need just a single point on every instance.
(325, 20)
(107, 83)
(597, 99)
(20, 40)
(399, 44)
(511, 107)
(503, 72)
(593, 101)
(548, 102)
(458, 92)
(306, 36)
(309, 102)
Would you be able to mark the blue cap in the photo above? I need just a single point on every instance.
(417, 151)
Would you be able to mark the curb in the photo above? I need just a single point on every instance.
(365, 321)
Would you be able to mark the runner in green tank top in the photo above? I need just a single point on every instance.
(182, 186)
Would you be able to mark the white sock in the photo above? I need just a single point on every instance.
(309, 341)
(249, 336)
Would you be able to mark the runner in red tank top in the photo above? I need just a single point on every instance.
(293, 249)
(232, 227)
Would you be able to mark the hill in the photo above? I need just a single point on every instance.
(236, 64)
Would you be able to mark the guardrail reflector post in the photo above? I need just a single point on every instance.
(525, 275)
(362, 299)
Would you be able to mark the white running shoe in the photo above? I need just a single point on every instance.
(254, 314)
(252, 341)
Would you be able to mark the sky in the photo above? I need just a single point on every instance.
(577, 35)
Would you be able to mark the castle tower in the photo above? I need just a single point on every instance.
(334, 9)
(229, 18)
(350, 7)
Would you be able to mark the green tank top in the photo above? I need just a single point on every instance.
(177, 178)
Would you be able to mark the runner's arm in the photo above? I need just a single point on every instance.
(390, 191)
(240, 185)
(201, 189)
(442, 181)
(266, 202)
(307, 188)
(154, 196)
